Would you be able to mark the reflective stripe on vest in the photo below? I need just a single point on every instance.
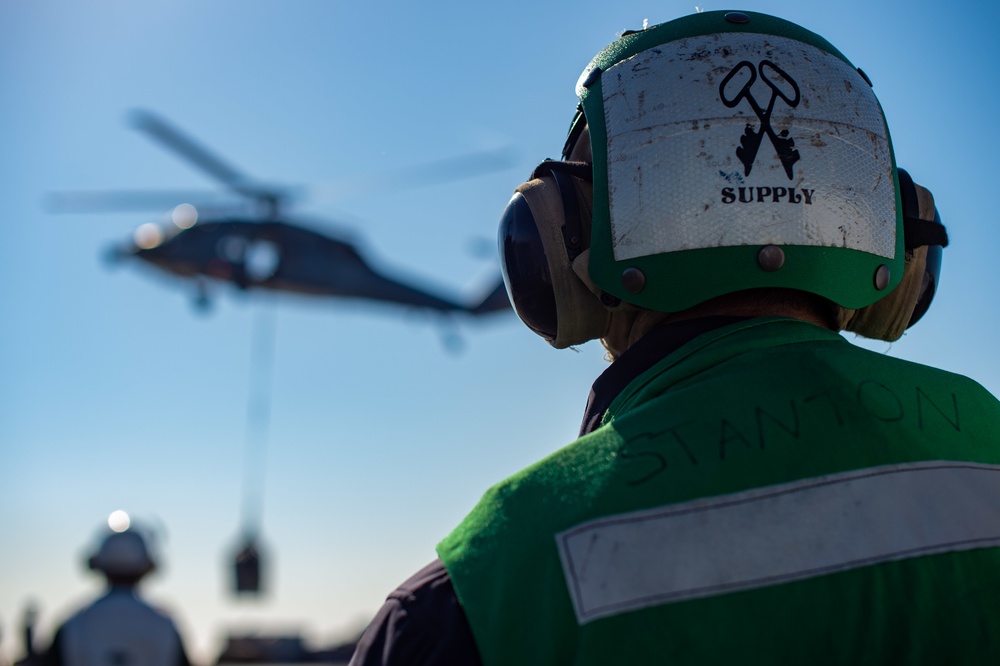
(777, 534)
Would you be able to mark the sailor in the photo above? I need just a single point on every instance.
(119, 628)
(749, 486)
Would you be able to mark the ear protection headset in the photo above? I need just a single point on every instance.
(925, 239)
(544, 241)
(683, 186)
(544, 247)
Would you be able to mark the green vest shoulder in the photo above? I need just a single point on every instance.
(748, 407)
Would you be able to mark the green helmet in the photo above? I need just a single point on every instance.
(736, 150)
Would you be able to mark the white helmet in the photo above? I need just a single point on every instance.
(713, 154)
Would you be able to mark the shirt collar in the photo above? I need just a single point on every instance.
(641, 356)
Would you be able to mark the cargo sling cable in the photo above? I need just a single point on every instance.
(255, 454)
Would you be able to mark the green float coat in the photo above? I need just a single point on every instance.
(752, 405)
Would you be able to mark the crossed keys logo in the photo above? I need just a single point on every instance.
(784, 145)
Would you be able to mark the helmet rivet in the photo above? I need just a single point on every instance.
(771, 258)
(882, 275)
(737, 17)
(633, 280)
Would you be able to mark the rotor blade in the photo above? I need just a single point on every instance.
(175, 140)
(103, 201)
(452, 168)
(418, 175)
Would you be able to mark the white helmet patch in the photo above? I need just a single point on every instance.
(769, 140)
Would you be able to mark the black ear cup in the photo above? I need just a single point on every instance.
(543, 238)
(525, 268)
(924, 239)
(929, 286)
(922, 228)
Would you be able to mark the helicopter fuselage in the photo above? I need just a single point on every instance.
(280, 256)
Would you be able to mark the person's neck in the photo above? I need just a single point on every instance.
(629, 326)
(791, 311)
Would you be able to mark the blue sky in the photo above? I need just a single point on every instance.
(114, 394)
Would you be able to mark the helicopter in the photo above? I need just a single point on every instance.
(255, 246)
